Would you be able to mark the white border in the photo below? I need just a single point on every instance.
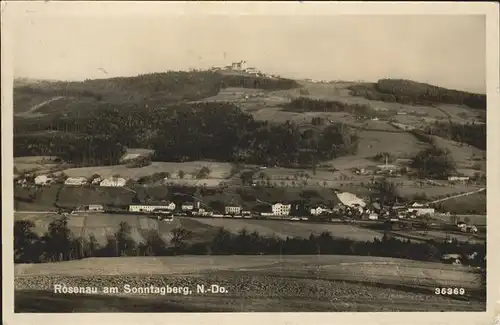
(13, 9)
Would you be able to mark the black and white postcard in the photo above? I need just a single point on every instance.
(290, 163)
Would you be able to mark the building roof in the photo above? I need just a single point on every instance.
(350, 199)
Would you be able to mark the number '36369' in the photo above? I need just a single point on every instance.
(449, 291)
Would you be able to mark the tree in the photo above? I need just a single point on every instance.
(126, 246)
(181, 174)
(217, 205)
(58, 240)
(203, 172)
(222, 242)
(26, 248)
(246, 177)
(179, 235)
(385, 191)
(434, 162)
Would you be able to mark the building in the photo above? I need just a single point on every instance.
(75, 181)
(251, 70)
(113, 182)
(42, 180)
(420, 209)
(350, 200)
(279, 209)
(458, 178)
(187, 206)
(150, 208)
(318, 211)
(96, 181)
(232, 209)
(239, 66)
(95, 208)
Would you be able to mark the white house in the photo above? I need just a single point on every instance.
(42, 180)
(318, 211)
(76, 181)
(151, 208)
(96, 180)
(113, 182)
(280, 209)
(187, 207)
(458, 178)
(241, 65)
(420, 209)
(96, 208)
(232, 209)
(373, 216)
(252, 70)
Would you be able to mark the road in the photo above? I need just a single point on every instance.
(458, 195)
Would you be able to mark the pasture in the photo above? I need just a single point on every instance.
(217, 170)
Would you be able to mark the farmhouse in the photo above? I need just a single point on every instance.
(42, 180)
(232, 209)
(113, 182)
(280, 209)
(75, 181)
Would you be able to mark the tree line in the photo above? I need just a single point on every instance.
(417, 93)
(473, 134)
(183, 132)
(305, 104)
(60, 244)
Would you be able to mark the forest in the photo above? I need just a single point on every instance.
(304, 104)
(416, 93)
(180, 132)
(471, 133)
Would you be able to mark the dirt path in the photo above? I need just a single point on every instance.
(36, 107)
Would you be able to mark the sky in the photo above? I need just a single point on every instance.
(448, 51)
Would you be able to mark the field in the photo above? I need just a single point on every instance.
(465, 156)
(37, 164)
(401, 145)
(283, 229)
(101, 226)
(253, 283)
(473, 204)
(218, 170)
